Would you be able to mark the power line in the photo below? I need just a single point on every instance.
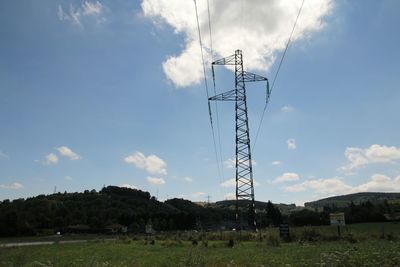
(215, 92)
(277, 72)
(206, 87)
(209, 29)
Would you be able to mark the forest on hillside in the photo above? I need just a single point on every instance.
(94, 212)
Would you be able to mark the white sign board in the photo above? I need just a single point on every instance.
(337, 218)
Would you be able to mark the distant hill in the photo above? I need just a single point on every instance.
(260, 205)
(357, 198)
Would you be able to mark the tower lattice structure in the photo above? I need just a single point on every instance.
(243, 163)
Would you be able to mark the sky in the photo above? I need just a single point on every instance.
(97, 93)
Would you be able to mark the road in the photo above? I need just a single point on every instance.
(22, 244)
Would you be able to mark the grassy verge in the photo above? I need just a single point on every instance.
(217, 253)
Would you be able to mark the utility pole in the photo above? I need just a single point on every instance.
(244, 168)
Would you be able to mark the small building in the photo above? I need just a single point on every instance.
(116, 228)
(394, 216)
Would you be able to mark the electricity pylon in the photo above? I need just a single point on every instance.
(244, 169)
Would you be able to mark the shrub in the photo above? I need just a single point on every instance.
(273, 241)
(310, 235)
(350, 238)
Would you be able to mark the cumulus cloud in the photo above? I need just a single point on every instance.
(360, 157)
(155, 180)
(276, 163)
(291, 144)
(231, 163)
(49, 159)
(287, 177)
(380, 183)
(328, 187)
(13, 186)
(232, 183)
(128, 186)
(230, 196)
(337, 186)
(287, 108)
(195, 195)
(87, 10)
(260, 28)
(152, 164)
(67, 152)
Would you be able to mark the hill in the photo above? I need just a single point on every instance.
(357, 198)
(92, 211)
(259, 205)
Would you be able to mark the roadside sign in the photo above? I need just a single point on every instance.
(337, 218)
(284, 231)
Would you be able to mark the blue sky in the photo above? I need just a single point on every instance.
(88, 98)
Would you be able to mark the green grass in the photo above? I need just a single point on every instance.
(366, 248)
(121, 253)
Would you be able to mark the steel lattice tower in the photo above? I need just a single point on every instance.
(244, 169)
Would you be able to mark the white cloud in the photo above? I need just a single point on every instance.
(155, 180)
(231, 163)
(287, 177)
(49, 159)
(197, 194)
(276, 163)
(3, 155)
(68, 178)
(287, 108)
(232, 183)
(229, 183)
(87, 10)
(128, 186)
(230, 196)
(380, 183)
(152, 164)
(326, 187)
(93, 9)
(67, 152)
(291, 144)
(260, 28)
(360, 157)
(188, 179)
(336, 186)
(13, 186)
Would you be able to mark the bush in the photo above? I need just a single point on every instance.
(391, 237)
(273, 241)
(350, 238)
(310, 235)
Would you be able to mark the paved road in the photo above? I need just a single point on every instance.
(22, 244)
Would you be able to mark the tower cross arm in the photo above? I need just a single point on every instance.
(226, 61)
(251, 77)
(227, 96)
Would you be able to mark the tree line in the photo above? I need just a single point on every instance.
(135, 209)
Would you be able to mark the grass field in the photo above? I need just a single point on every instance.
(313, 246)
